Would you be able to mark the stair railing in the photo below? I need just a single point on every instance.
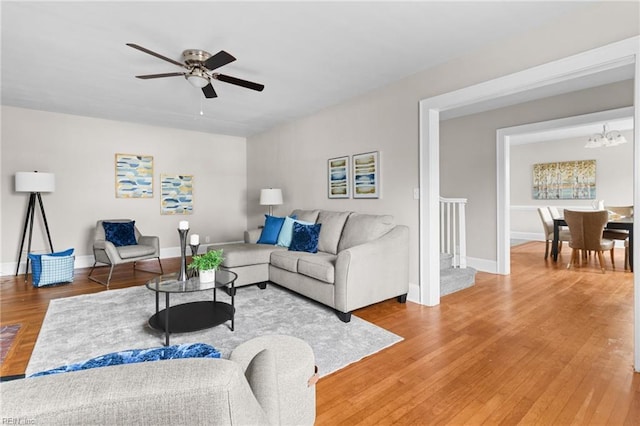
(453, 234)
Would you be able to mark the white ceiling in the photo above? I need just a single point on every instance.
(71, 57)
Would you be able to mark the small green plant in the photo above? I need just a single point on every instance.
(210, 260)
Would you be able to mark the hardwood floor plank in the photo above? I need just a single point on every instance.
(544, 345)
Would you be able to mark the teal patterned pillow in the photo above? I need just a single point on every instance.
(305, 237)
(120, 233)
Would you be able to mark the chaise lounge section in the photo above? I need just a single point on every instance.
(362, 259)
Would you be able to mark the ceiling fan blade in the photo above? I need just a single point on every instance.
(168, 74)
(219, 59)
(157, 55)
(239, 82)
(209, 92)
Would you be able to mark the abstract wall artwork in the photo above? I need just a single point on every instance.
(366, 175)
(134, 176)
(567, 180)
(177, 194)
(338, 172)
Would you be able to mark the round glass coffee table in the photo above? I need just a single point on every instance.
(192, 316)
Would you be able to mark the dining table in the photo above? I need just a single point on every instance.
(625, 223)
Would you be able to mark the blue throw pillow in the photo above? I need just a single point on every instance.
(36, 263)
(305, 237)
(286, 233)
(120, 233)
(271, 230)
(191, 350)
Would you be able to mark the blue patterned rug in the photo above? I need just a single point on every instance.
(82, 327)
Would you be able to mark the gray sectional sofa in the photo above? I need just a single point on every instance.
(362, 259)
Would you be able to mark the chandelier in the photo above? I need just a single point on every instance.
(606, 138)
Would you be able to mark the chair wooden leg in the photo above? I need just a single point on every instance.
(613, 263)
(546, 250)
(601, 259)
(626, 258)
(573, 258)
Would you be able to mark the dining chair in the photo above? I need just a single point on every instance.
(547, 225)
(619, 212)
(586, 229)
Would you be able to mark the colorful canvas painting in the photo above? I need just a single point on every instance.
(338, 171)
(366, 175)
(177, 194)
(134, 176)
(567, 180)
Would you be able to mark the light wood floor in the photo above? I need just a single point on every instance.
(541, 346)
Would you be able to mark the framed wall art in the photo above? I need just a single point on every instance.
(567, 180)
(134, 176)
(338, 175)
(366, 175)
(177, 194)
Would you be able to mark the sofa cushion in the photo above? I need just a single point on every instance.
(362, 228)
(306, 215)
(332, 224)
(271, 230)
(240, 254)
(320, 266)
(127, 252)
(305, 237)
(288, 260)
(286, 233)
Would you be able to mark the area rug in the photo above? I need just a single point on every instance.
(82, 327)
(8, 334)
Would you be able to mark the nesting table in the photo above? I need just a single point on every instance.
(192, 316)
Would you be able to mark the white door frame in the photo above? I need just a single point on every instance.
(589, 62)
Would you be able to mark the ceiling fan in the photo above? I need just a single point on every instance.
(199, 65)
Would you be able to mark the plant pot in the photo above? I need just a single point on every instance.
(208, 276)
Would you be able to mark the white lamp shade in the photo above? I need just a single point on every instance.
(271, 197)
(35, 182)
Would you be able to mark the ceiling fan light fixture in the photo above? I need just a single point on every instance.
(197, 78)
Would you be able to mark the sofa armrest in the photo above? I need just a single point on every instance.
(373, 271)
(252, 235)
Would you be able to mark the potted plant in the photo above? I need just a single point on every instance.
(207, 264)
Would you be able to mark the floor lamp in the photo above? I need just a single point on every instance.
(270, 197)
(34, 183)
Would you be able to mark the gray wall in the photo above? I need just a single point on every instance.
(81, 152)
(294, 156)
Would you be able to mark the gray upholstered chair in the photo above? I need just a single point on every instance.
(547, 225)
(586, 234)
(104, 251)
(619, 234)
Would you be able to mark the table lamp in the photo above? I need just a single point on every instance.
(271, 197)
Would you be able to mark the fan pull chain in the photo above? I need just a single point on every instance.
(201, 112)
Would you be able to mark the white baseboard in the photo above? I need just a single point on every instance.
(484, 265)
(529, 236)
(414, 293)
(86, 261)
